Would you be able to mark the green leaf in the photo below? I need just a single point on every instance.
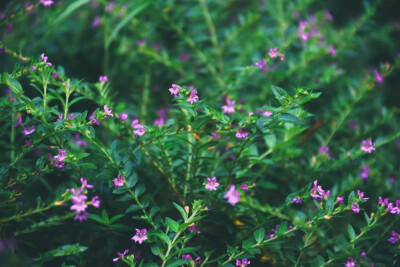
(319, 261)
(131, 208)
(367, 219)
(287, 117)
(140, 190)
(279, 93)
(96, 218)
(283, 227)
(352, 234)
(127, 18)
(61, 251)
(71, 8)
(181, 211)
(116, 217)
(163, 237)
(104, 215)
(172, 224)
(179, 262)
(259, 234)
(247, 244)
(270, 140)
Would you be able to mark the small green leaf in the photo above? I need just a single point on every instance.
(279, 93)
(163, 237)
(259, 234)
(172, 224)
(181, 211)
(352, 234)
(179, 262)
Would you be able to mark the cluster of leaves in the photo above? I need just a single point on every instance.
(213, 45)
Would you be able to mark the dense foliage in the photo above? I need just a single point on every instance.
(199, 133)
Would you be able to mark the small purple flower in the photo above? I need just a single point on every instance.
(212, 184)
(140, 235)
(378, 76)
(79, 203)
(394, 238)
(367, 146)
(103, 78)
(187, 257)
(317, 192)
(241, 133)
(267, 113)
(141, 42)
(29, 130)
(242, 263)
(81, 216)
(350, 262)
(340, 200)
(355, 207)
(324, 150)
(120, 255)
(119, 181)
(328, 15)
(18, 123)
(361, 195)
(184, 57)
(273, 52)
(157, 46)
(261, 64)
(229, 108)
(159, 122)
(365, 172)
(332, 50)
(85, 184)
(96, 22)
(175, 90)
(46, 2)
(193, 97)
(192, 228)
(232, 195)
(352, 125)
(123, 116)
(297, 200)
(383, 202)
(139, 129)
(108, 111)
(44, 58)
(244, 187)
(96, 201)
(110, 6)
(28, 143)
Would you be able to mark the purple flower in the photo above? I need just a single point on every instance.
(59, 163)
(244, 187)
(242, 263)
(324, 150)
(18, 123)
(29, 130)
(96, 201)
(140, 235)
(328, 15)
(340, 200)
(392, 209)
(383, 202)
(159, 122)
(184, 57)
(212, 184)
(110, 6)
(361, 195)
(365, 172)
(139, 129)
(28, 143)
(157, 46)
(103, 78)
(85, 184)
(187, 257)
(394, 238)
(229, 108)
(332, 50)
(123, 116)
(79, 203)
(367, 146)
(241, 134)
(175, 90)
(193, 97)
(355, 207)
(267, 113)
(192, 228)
(44, 58)
(96, 22)
(378, 76)
(108, 111)
(46, 2)
(120, 255)
(352, 125)
(141, 42)
(317, 192)
(81, 216)
(273, 52)
(350, 262)
(297, 200)
(232, 195)
(119, 181)
(261, 64)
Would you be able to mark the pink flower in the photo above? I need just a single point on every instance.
(85, 184)
(28, 143)
(123, 116)
(328, 15)
(103, 78)
(244, 187)
(355, 207)
(394, 238)
(350, 262)
(244, 262)
(267, 113)
(365, 172)
(352, 125)
(44, 58)
(140, 236)
(159, 122)
(378, 76)
(96, 201)
(297, 200)
(193, 97)
(261, 64)
(175, 90)
(139, 129)
(367, 146)
(29, 130)
(212, 184)
(120, 255)
(332, 50)
(108, 111)
(187, 257)
(119, 181)
(229, 108)
(232, 195)
(79, 203)
(18, 123)
(361, 195)
(81, 216)
(317, 192)
(273, 52)
(110, 6)
(46, 2)
(96, 22)
(241, 134)
(340, 200)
